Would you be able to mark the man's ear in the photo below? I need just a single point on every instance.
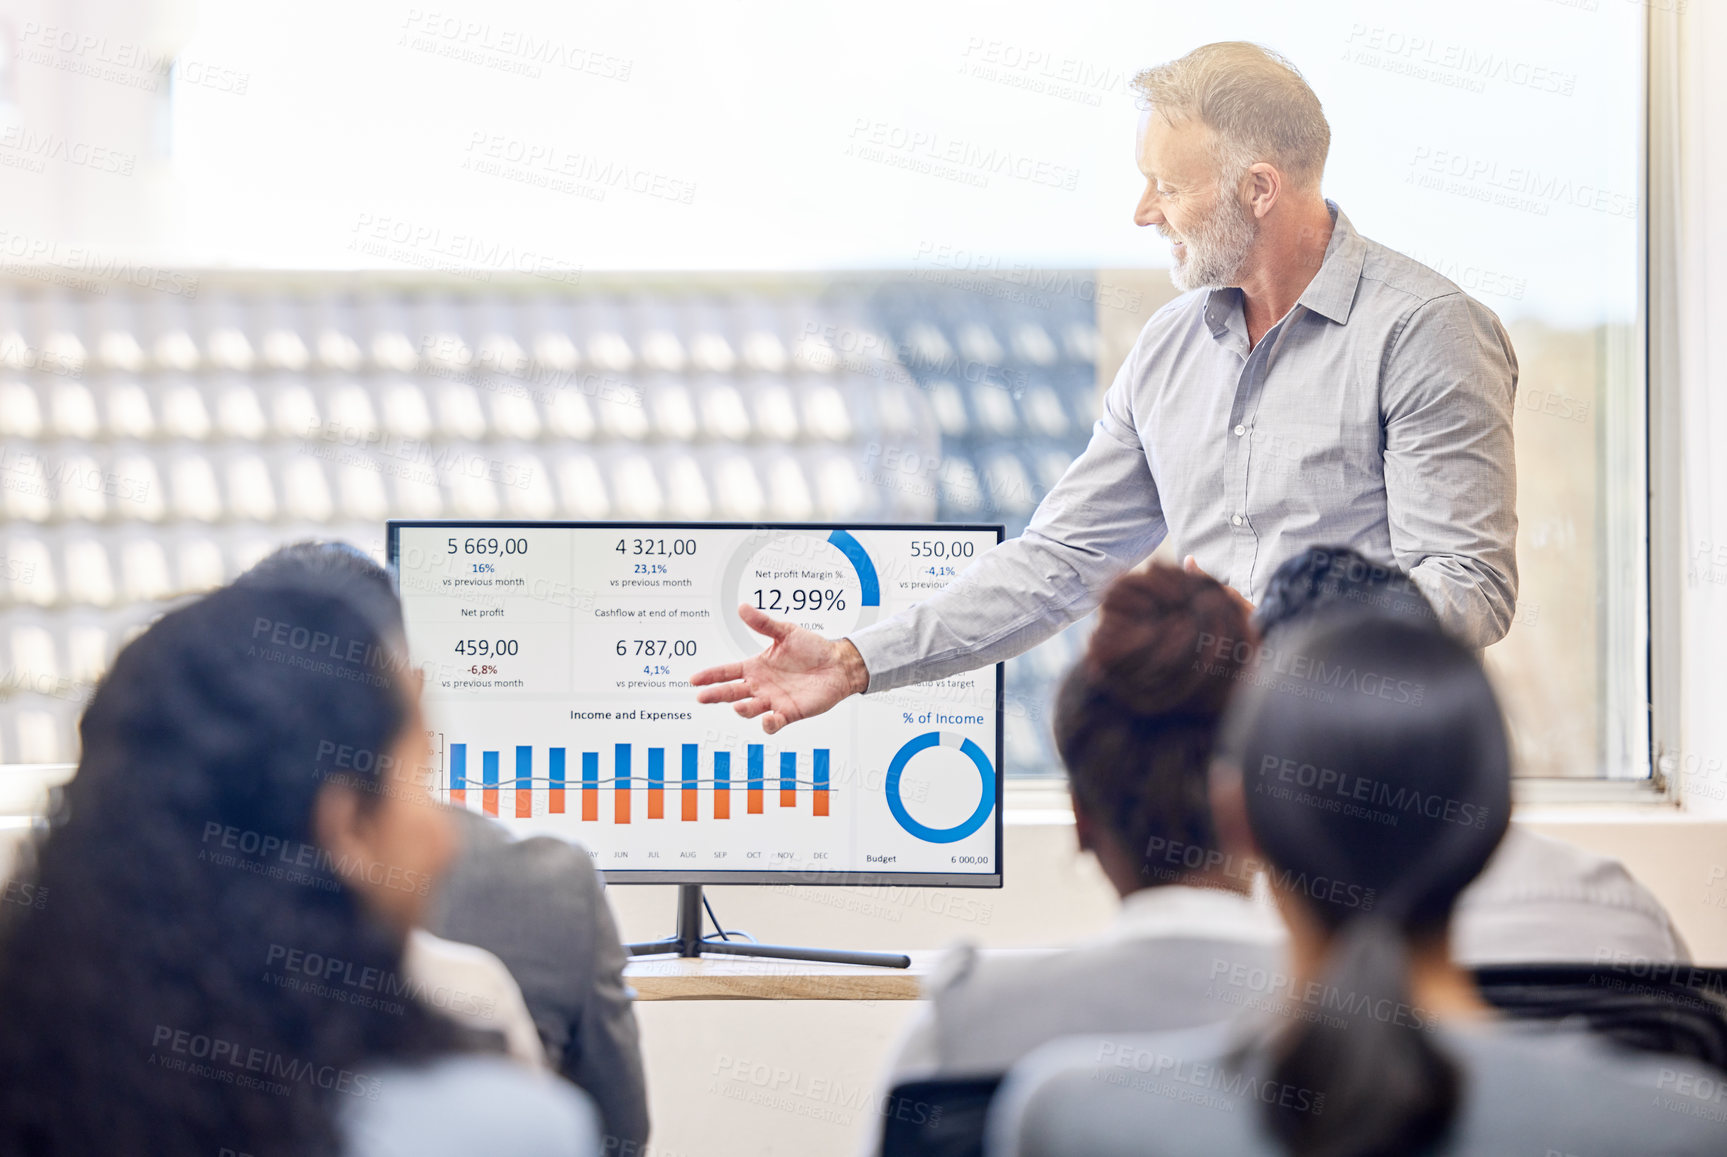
(1081, 823)
(1229, 811)
(1263, 186)
(336, 822)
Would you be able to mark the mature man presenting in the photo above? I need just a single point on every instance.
(1314, 388)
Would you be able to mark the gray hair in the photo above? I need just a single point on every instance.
(1252, 99)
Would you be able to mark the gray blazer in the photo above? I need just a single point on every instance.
(540, 907)
(1527, 1090)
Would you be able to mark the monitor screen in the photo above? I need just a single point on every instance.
(558, 658)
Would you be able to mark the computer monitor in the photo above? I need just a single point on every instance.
(558, 657)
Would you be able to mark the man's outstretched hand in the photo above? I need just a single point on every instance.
(799, 675)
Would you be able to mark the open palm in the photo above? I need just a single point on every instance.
(800, 674)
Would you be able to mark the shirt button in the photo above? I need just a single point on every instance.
(1240, 430)
(1237, 520)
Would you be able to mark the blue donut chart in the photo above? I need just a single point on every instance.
(896, 770)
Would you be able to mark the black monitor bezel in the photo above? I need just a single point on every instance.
(748, 876)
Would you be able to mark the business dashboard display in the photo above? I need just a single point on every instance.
(558, 658)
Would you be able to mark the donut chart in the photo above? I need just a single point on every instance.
(868, 604)
(896, 771)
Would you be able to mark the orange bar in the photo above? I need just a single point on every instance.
(755, 802)
(590, 803)
(821, 803)
(621, 809)
(689, 804)
(656, 804)
(489, 800)
(788, 798)
(555, 801)
(459, 795)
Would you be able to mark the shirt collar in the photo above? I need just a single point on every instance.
(1330, 294)
(1179, 910)
(1332, 290)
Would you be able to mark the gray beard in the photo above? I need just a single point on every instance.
(1217, 250)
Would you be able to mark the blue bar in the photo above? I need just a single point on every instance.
(723, 770)
(524, 769)
(656, 767)
(755, 779)
(558, 768)
(788, 778)
(821, 769)
(689, 767)
(458, 767)
(590, 770)
(621, 766)
(489, 768)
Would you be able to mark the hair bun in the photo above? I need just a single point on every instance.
(1167, 643)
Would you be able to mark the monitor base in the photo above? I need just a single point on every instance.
(688, 941)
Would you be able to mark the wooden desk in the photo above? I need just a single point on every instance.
(744, 978)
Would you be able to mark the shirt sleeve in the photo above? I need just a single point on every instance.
(1450, 475)
(1102, 517)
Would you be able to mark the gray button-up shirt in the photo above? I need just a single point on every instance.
(1376, 414)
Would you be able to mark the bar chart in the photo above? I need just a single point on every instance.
(539, 785)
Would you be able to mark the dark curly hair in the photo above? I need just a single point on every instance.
(136, 1013)
(1136, 717)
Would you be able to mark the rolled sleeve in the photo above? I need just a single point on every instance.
(1450, 475)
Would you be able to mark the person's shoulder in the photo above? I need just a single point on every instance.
(1401, 274)
(1519, 1068)
(470, 1104)
(488, 848)
(1102, 1094)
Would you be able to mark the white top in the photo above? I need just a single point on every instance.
(473, 988)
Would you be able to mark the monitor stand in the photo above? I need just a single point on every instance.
(688, 941)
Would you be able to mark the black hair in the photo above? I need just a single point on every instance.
(335, 565)
(1325, 580)
(1377, 785)
(136, 1008)
(1136, 717)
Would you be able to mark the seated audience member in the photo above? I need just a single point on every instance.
(537, 904)
(1134, 723)
(1540, 901)
(1382, 1044)
(218, 963)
